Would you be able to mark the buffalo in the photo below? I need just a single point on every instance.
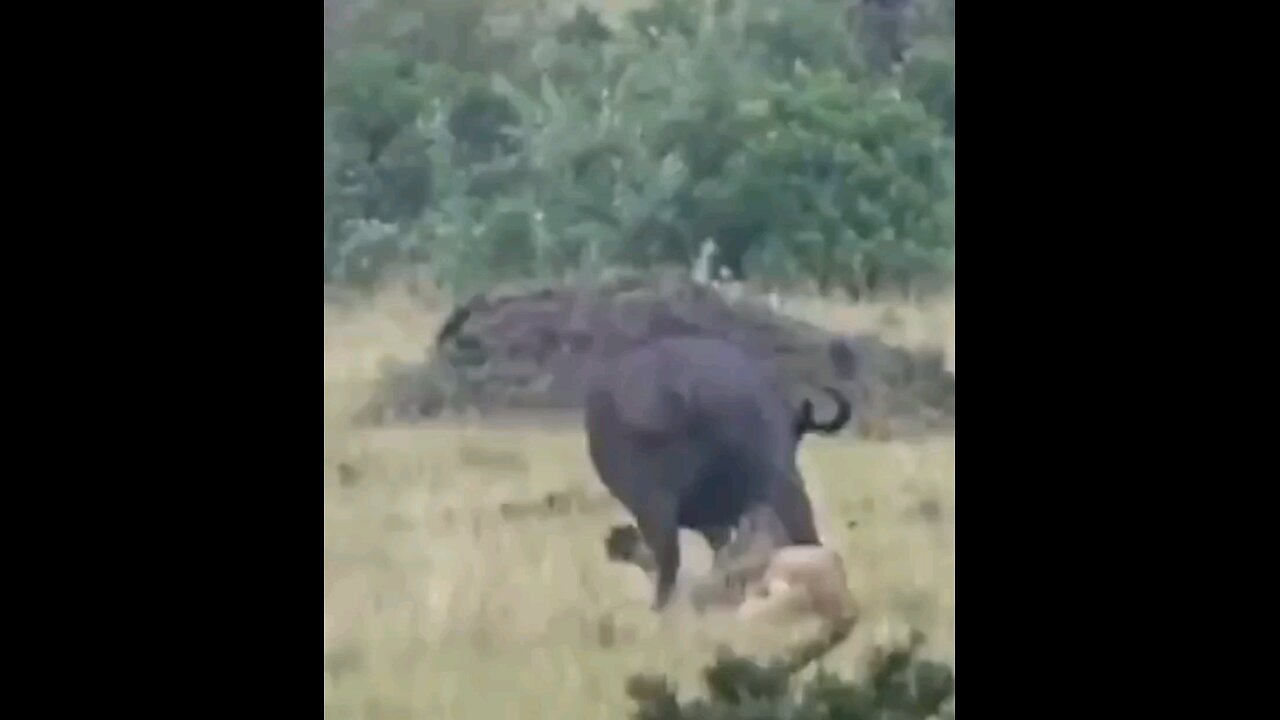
(693, 432)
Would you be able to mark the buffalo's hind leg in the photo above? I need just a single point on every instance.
(658, 526)
(791, 504)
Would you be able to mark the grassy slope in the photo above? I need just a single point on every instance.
(436, 605)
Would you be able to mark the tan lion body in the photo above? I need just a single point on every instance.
(801, 579)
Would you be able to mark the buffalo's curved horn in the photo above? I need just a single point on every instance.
(844, 411)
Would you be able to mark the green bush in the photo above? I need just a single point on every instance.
(901, 686)
(572, 146)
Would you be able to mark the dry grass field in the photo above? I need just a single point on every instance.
(452, 590)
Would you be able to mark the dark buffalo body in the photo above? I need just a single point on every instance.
(693, 432)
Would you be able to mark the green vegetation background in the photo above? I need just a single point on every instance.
(812, 141)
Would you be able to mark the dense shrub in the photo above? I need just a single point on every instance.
(901, 686)
(568, 145)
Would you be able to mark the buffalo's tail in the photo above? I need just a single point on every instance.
(805, 422)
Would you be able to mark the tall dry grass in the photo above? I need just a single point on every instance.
(451, 591)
